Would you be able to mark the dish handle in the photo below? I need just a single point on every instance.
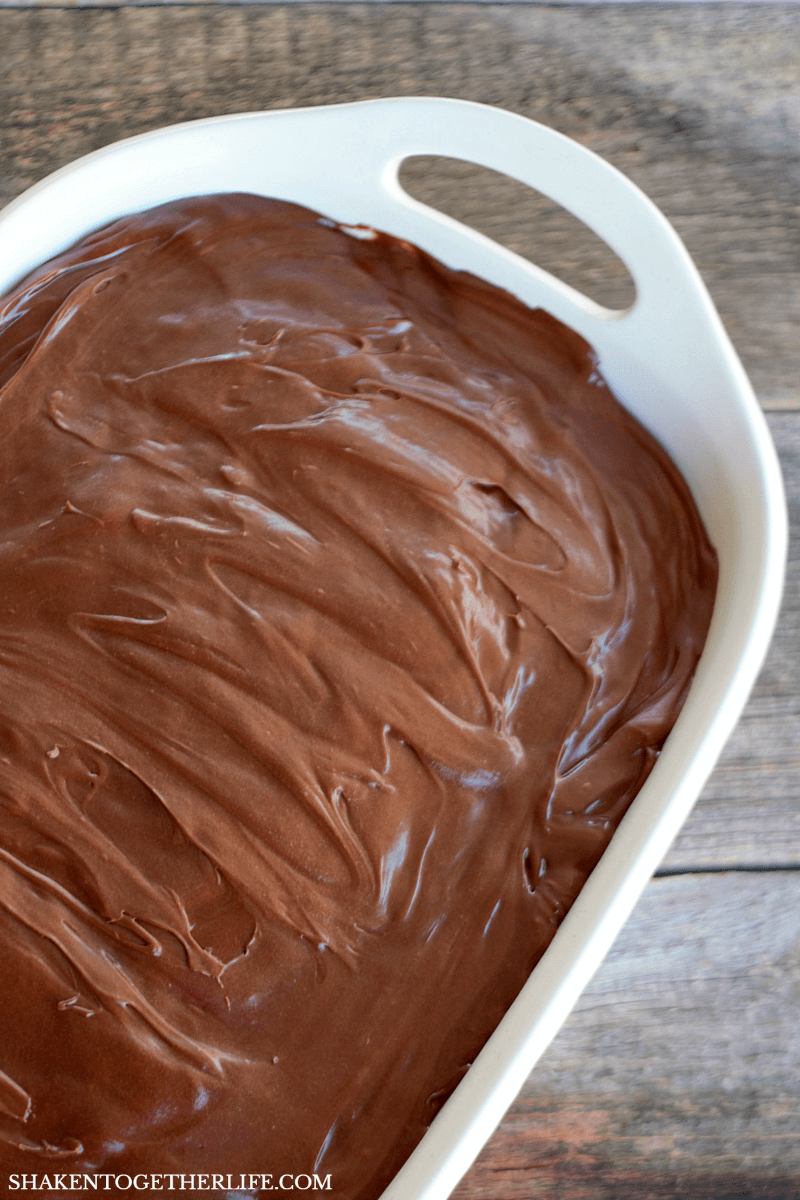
(672, 313)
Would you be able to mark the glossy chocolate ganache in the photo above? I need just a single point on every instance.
(343, 612)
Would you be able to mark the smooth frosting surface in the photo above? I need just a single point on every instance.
(343, 612)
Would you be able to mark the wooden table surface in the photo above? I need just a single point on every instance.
(678, 1075)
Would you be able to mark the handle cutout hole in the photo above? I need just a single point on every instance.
(523, 220)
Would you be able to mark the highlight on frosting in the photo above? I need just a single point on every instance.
(343, 612)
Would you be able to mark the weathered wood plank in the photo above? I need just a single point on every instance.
(749, 813)
(678, 1074)
(700, 105)
(677, 1077)
(284, 3)
(76, 79)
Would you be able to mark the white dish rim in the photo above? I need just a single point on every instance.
(391, 130)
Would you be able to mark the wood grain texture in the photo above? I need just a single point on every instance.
(677, 1076)
(749, 812)
(701, 106)
(519, 3)
(649, 1089)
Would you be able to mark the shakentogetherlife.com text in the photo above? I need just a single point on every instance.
(169, 1183)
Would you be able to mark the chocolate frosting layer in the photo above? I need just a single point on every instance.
(343, 612)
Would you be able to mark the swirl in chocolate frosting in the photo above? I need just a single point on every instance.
(343, 612)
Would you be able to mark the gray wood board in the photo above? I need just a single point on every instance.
(678, 1075)
(699, 104)
(263, 3)
(749, 812)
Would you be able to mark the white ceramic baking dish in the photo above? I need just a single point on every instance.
(668, 358)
